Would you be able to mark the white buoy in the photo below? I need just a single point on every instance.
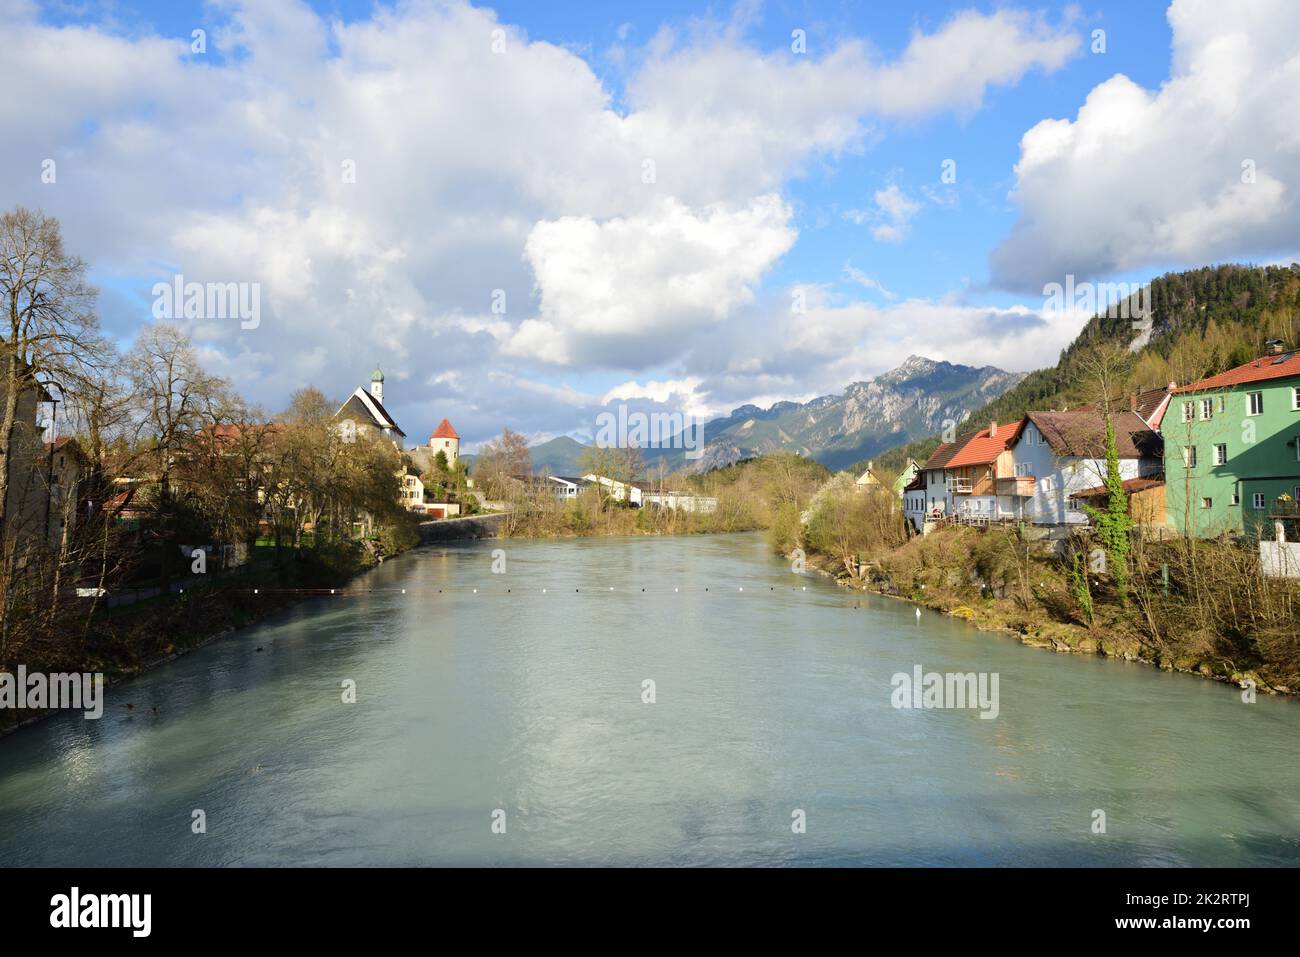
(918, 613)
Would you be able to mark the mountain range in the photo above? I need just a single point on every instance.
(838, 430)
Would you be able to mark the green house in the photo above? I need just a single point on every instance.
(906, 476)
(1232, 447)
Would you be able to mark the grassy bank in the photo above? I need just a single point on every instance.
(1196, 607)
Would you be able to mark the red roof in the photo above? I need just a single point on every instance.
(444, 431)
(1257, 370)
(982, 448)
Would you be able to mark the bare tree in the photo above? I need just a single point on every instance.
(49, 334)
(175, 399)
(500, 460)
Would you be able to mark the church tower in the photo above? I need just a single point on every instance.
(377, 385)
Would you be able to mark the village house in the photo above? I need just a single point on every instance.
(619, 491)
(1232, 447)
(412, 493)
(565, 488)
(867, 480)
(960, 479)
(1059, 462)
(906, 477)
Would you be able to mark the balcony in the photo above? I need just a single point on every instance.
(1019, 486)
(962, 486)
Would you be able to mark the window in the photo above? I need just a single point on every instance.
(1220, 454)
(1295, 399)
(1257, 500)
(1255, 403)
(1189, 411)
(1207, 503)
(1296, 442)
(1022, 468)
(1236, 498)
(1221, 401)
(1189, 456)
(1207, 409)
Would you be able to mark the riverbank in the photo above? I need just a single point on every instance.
(1012, 588)
(126, 642)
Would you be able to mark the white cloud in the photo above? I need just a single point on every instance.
(893, 214)
(1144, 177)
(866, 282)
(625, 292)
(681, 394)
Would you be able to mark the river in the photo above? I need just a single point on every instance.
(518, 699)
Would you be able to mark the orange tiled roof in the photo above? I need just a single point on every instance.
(982, 448)
(1256, 370)
(444, 431)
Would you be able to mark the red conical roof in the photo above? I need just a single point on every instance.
(444, 431)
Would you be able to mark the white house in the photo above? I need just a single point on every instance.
(563, 488)
(619, 491)
(412, 493)
(1059, 454)
(682, 501)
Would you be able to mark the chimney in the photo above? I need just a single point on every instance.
(1171, 386)
(1273, 347)
(993, 430)
(1133, 402)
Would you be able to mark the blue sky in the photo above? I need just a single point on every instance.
(780, 174)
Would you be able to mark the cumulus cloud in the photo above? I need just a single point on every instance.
(1205, 168)
(624, 293)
